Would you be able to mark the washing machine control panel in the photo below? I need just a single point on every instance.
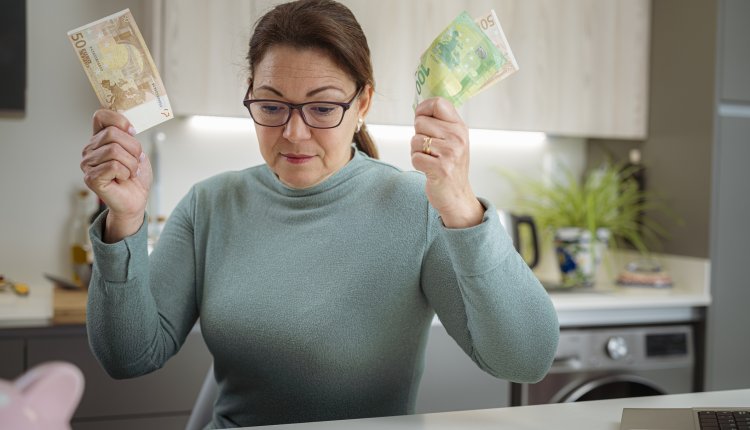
(613, 348)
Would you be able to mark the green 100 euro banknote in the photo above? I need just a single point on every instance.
(121, 70)
(466, 58)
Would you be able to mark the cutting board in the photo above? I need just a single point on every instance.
(69, 306)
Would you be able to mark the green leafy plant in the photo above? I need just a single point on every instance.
(606, 198)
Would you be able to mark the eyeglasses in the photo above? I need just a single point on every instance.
(275, 113)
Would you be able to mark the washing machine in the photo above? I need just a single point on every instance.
(615, 362)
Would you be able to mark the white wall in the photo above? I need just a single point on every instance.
(40, 153)
(198, 147)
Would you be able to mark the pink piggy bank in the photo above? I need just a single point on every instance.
(45, 397)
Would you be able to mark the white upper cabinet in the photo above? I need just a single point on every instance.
(583, 63)
(201, 47)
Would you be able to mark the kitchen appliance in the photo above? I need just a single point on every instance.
(607, 363)
(522, 230)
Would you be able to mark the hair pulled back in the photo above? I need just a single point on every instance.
(321, 24)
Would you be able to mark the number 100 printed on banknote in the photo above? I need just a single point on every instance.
(465, 59)
(121, 70)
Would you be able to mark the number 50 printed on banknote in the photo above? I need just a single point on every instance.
(121, 70)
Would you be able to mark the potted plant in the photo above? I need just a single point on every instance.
(585, 216)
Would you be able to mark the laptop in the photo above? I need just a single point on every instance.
(685, 418)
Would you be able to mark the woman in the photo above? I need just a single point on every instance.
(316, 275)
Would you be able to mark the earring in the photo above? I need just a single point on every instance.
(360, 121)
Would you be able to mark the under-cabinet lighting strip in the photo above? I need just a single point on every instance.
(221, 124)
(385, 132)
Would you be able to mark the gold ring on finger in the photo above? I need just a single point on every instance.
(426, 145)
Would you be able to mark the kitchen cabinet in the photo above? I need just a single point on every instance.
(160, 400)
(165, 391)
(202, 47)
(11, 358)
(583, 63)
(583, 69)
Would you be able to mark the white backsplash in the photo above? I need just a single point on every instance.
(199, 147)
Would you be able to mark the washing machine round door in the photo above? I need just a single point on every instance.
(612, 387)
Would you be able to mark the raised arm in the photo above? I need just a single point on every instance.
(484, 293)
(489, 300)
(140, 309)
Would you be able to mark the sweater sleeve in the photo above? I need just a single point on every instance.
(489, 300)
(140, 307)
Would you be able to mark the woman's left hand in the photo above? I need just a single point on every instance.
(440, 149)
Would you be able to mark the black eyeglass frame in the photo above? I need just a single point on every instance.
(292, 106)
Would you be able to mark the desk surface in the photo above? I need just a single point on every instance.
(594, 415)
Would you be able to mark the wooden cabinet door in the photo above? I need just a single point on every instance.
(202, 55)
(583, 69)
(583, 63)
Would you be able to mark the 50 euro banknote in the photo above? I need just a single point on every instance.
(121, 70)
(466, 58)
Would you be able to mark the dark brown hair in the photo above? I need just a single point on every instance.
(321, 24)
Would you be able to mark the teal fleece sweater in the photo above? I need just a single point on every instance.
(316, 303)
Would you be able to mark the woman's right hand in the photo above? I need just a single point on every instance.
(119, 172)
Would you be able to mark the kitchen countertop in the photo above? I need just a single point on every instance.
(34, 310)
(607, 303)
(592, 415)
(604, 304)
(45, 306)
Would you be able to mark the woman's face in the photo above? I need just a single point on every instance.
(299, 155)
